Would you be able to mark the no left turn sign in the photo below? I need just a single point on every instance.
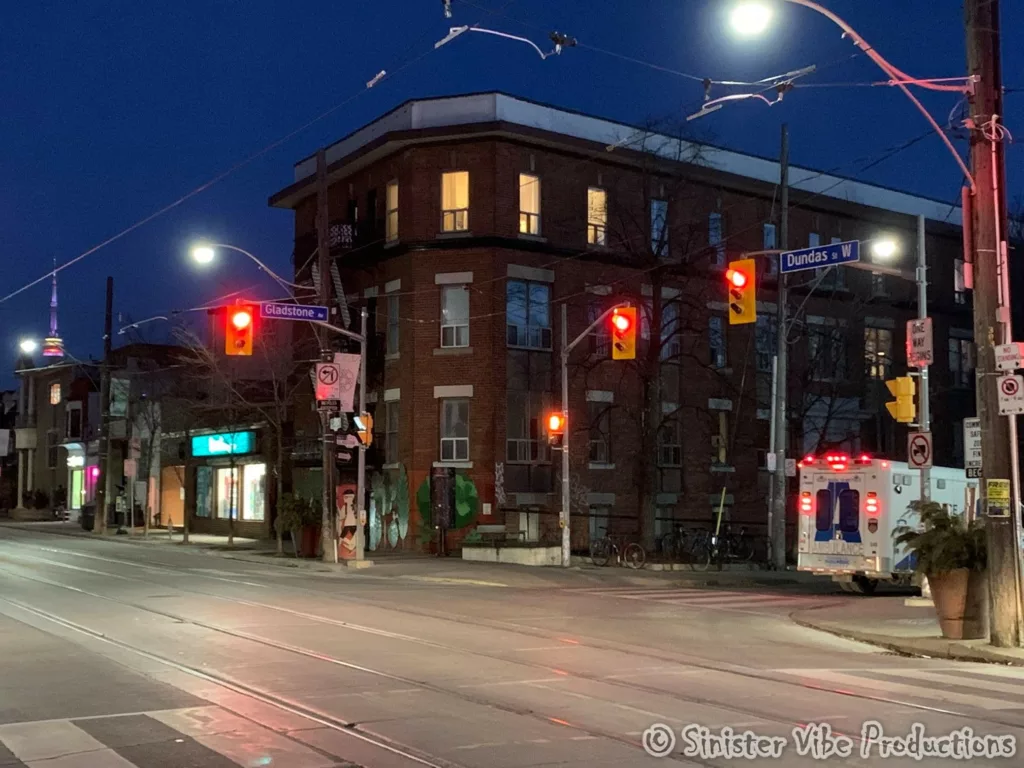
(919, 450)
(1011, 395)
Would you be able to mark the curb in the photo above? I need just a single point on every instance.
(937, 648)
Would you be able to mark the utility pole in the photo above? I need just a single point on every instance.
(330, 528)
(777, 510)
(924, 416)
(100, 520)
(565, 517)
(986, 225)
(361, 461)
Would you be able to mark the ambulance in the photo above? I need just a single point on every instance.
(849, 507)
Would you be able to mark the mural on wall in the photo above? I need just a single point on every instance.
(347, 520)
(389, 509)
(467, 502)
(499, 484)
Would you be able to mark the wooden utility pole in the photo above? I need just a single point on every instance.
(986, 225)
(103, 478)
(777, 508)
(330, 523)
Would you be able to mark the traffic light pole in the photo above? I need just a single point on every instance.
(361, 471)
(329, 515)
(924, 415)
(567, 348)
(777, 511)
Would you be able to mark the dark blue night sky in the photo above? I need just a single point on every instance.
(110, 111)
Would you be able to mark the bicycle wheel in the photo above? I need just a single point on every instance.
(634, 556)
(601, 552)
(704, 557)
(742, 549)
(668, 547)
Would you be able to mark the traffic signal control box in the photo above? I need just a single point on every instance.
(740, 279)
(902, 408)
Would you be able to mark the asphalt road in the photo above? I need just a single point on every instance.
(114, 656)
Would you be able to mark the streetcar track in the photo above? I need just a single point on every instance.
(582, 676)
(324, 658)
(686, 660)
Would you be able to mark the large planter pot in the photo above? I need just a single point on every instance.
(961, 603)
(309, 541)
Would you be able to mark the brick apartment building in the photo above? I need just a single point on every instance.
(466, 224)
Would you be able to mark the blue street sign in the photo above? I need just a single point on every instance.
(273, 311)
(820, 256)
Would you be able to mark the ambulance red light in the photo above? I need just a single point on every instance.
(805, 503)
(885, 465)
(864, 459)
(871, 504)
(809, 458)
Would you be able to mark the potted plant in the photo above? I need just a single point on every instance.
(288, 520)
(950, 552)
(310, 527)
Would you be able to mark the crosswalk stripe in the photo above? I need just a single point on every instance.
(55, 741)
(958, 682)
(906, 689)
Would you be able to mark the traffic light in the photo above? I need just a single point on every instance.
(624, 333)
(902, 408)
(556, 429)
(742, 294)
(238, 330)
(364, 428)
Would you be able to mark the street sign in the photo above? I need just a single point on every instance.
(274, 311)
(348, 369)
(972, 447)
(130, 467)
(920, 351)
(1008, 356)
(820, 256)
(770, 461)
(328, 381)
(790, 467)
(919, 450)
(998, 502)
(1011, 395)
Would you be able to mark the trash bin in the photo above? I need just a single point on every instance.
(88, 518)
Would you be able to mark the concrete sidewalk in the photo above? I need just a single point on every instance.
(417, 566)
(909, 629)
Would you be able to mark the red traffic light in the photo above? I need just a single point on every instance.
(621, 322)
(556, 423)
(736, 278)
(241, 319)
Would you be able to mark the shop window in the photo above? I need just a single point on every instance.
(254, 489)
(204, 492)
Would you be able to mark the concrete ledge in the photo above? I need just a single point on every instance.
(923, 647)
(538, 556)
(357, 564)
(23, 515)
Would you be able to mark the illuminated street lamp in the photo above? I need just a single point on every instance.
(750, 19)
(203, 254)
(884, 248)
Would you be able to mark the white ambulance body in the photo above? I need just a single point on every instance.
(848, 508)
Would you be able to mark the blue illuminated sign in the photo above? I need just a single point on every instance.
(224, 444)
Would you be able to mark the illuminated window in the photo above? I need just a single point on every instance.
(597, 216)
(529, 204)
(55, 393)
(391, 215)
(455, 201)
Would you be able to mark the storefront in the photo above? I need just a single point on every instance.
(229, 477)
(83, 471)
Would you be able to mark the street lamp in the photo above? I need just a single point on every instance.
(750, 19)
(28, 346)
(203, 254)
(884, 248)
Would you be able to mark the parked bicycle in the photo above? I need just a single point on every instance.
(604, 549)
(682, 545)
(726, 547)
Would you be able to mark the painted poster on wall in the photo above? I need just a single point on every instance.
(347, 521)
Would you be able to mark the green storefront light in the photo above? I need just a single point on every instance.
(224, 444)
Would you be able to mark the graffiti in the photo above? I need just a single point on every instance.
(499, 484)
(467, 502)
(389, 509)
(579, 494)
(345, 498)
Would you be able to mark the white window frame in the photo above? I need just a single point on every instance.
(394, 325)
(534, 337)
(878, 368)
(670, 454)
(454, 448)
(597, 219)
(391, 212)
(454, 330)
(529, 449)
(529, 221)
(455, 219)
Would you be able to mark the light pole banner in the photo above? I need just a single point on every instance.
(348, 365)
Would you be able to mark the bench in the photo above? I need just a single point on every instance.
(497, 534)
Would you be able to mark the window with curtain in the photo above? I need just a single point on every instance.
(455, 201)
(455, 316)
(455, 429)
(391, 215)
(529, 204)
